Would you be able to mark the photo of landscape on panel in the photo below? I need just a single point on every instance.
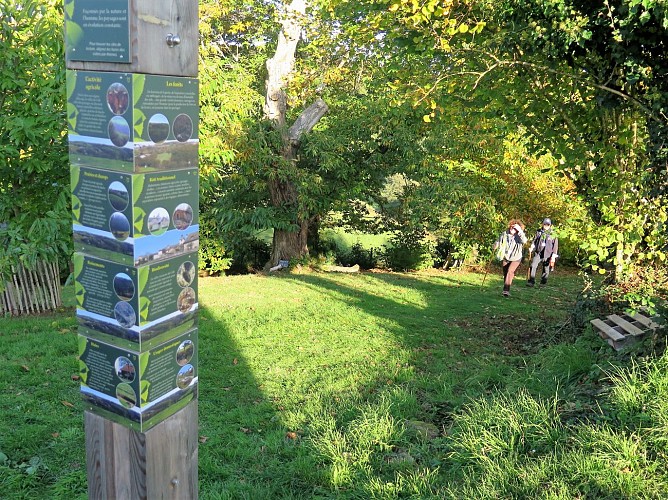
(132, 123)
(135, 308)
(138, 389)
(135, 219)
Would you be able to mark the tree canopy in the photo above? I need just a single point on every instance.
(443, 120)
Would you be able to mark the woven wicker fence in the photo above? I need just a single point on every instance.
(31, 291)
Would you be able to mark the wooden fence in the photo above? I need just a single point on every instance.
(31, 291)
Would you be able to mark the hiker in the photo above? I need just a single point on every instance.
(545, 248)
(509, 251)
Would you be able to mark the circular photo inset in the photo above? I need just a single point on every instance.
(185, 376)
(124, 368)
(118, 196)
(185, 352)
(158, 221)
(182, 128)
(183, 216)
(186, 299)
(119, 225)
(119, 131)
(158, 128)
(125, 314)
(126, 395)
(117, 98)
(186, 274)
(123, 286)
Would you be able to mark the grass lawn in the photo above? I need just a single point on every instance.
(373, 385)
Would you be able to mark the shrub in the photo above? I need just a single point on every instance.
(249, 255)
(213, 256)
(408, 252)
(365, 258)
(34, 173)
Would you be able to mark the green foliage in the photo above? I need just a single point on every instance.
(466, 203)
(27, 240)
(249, 255)
(582, 80)
(644, 288)
(408, 252)
(365, 258)
(213, 255)
(601, 108)
(34, 173)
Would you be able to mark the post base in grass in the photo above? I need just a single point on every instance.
(160, 463)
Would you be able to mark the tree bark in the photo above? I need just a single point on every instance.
(287, 245)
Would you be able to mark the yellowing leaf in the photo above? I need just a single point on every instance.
(426, 119)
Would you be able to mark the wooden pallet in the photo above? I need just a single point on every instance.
(623, 330)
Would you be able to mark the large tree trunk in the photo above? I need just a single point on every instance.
(288, 244)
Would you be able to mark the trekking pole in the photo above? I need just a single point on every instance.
(489, 264)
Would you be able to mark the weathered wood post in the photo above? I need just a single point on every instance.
(133, 116)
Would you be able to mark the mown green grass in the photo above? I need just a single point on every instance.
(373, 385)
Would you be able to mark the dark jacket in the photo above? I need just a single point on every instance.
(545, 245)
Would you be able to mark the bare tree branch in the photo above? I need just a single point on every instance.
(307, 120)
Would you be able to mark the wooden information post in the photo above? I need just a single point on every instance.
(133, 118)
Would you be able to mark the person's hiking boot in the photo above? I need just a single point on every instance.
(506, 293)
(543, 282)
(531, 283)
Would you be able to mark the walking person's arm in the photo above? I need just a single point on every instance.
(555, 253)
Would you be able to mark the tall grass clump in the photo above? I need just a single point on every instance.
(353, 444)
(504, 445)
(515, 425)
(639, 399)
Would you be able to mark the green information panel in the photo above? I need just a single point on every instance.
(138, 389)
(132, 307)
(97, 30)
(132, 123)
(135, 219)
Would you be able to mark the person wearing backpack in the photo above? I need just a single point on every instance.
(545, 249)
(508, 249)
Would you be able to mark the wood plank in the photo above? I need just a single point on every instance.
(644, 320)
(150, 23)
(161, 463)
(625, 325)
(172, 456)
(607, 329)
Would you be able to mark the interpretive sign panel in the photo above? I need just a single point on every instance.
(135, 307)
(132, 123)
(97, 30)
(138, 389)
(135, 219)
